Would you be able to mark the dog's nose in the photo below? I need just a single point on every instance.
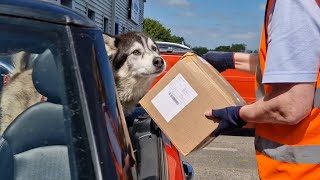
(158, 62)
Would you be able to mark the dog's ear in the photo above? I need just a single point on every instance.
(111, 44)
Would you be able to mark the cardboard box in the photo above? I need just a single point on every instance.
(178, 101)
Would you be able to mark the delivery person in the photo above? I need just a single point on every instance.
(287, 113)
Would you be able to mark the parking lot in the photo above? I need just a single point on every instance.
(226, 158)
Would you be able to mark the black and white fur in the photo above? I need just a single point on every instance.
(136, 63)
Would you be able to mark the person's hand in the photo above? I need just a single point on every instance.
(228, 119)
(221, 61)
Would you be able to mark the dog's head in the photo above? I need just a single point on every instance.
(134, 53)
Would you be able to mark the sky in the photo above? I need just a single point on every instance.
(210, 23)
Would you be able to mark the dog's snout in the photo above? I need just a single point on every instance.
(158, 62)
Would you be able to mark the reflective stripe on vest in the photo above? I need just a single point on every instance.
(316, 102)
(285, 153)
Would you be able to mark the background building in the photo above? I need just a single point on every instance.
(112, 16)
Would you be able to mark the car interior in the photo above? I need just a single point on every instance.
(34, 146)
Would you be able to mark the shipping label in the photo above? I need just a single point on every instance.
(174, 97)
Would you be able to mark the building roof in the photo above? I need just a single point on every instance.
(44, 11)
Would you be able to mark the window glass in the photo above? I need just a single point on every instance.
(105, 25)
(171, 48)
(33, 110)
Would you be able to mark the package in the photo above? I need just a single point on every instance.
(177, 103)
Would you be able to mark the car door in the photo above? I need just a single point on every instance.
(104, 125)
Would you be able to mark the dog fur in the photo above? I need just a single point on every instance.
(20, 92)
(133, 72)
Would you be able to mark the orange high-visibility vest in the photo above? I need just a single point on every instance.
(286, 151)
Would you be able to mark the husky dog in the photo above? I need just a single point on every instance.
(136, 62)
(20, 92)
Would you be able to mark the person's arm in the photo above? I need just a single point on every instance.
(246, 62)
(291, 70)
(288, 103)
(222, 61)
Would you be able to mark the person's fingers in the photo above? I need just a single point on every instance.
(208, 113)
(216, 132)
(219, 113)
(215, 115)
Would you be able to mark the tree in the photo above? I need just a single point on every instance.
(222, 48)
(160, 33)
(177, 39)
(232, 48)
(156, 30)
(238, 48)
(200, 50)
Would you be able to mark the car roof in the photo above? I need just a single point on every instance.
(172, 44)
(44, 11)
(172, 48)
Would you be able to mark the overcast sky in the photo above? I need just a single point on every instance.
(210, 23)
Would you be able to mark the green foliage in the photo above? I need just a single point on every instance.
(238, 48)
(160, 33)
(177, 39)
(156, 30)
(232, 48)
(223, 48)
(200, 50)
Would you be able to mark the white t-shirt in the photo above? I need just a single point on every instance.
(293, 42)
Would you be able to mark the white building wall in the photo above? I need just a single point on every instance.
(110, 11)
(122, 16)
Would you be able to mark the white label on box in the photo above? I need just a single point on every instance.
(174, 97)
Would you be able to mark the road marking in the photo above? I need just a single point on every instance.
(220, 149)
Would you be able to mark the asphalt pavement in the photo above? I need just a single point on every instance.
(226, 158)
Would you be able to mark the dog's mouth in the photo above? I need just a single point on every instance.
(155, 73)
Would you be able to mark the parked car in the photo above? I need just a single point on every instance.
(169, 47)
(77, 133)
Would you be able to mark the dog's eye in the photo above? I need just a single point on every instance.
(154, 48)
(136, 52)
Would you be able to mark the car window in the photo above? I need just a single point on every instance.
(102, 101)
(166, 47)
(59, 110)
(34, 143)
